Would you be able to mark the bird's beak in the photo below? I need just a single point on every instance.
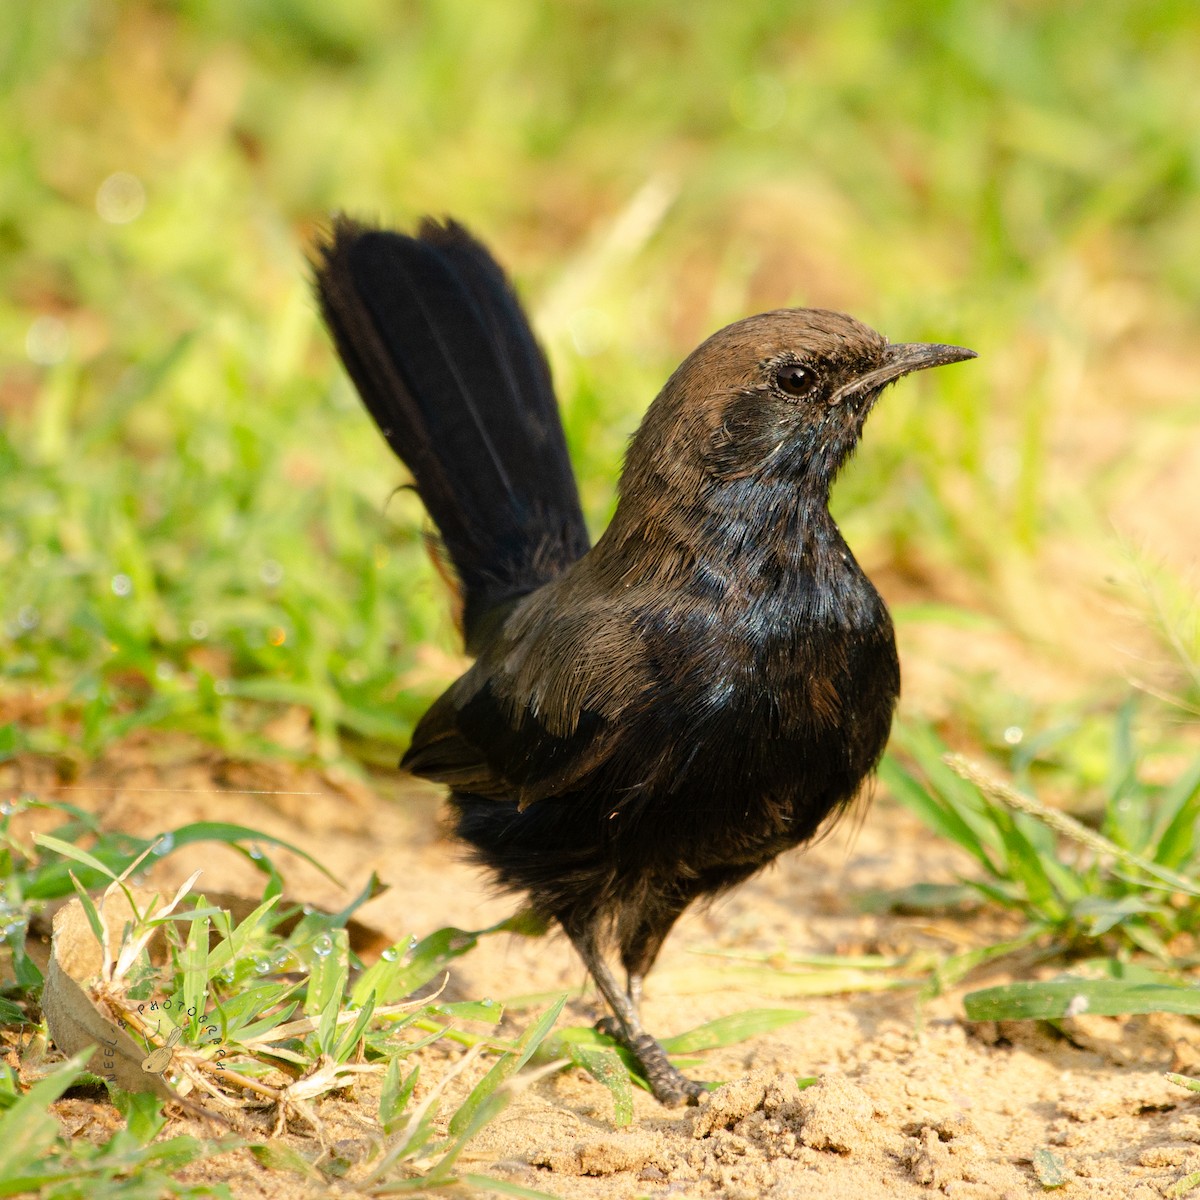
(899, 360)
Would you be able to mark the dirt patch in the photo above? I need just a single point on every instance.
(909, 1101)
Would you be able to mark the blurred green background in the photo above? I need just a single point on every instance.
(198, 531)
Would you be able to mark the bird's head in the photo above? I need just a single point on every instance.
(780, 396)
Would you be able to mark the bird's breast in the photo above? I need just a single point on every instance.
(772, 709)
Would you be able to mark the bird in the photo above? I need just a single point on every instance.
(650, 720)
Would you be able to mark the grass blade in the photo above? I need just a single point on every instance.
(27, 1130)
(485, 1183)
(395, 1095)
(67, 850)
(234, 835)
(727, 1031)
(1179, 807)
(606, 1067)
(392, 977)
(1074, 997)
(506, 1066)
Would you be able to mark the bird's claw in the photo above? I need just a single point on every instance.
(610, 1027)
(670, 1086)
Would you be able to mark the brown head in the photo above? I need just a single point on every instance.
(778, 397)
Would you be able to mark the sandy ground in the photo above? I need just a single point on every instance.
(910, 1102)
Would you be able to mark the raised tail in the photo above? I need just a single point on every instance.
(442, 355)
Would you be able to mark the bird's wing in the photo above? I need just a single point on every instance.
(509, 730)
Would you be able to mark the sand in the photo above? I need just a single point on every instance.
(910, 1099)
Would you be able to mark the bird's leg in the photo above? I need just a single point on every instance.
(641, 943)
(633, 989)
(669, 1085)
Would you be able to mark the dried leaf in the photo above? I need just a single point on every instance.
(75, 1022)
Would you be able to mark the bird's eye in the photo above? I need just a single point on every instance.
(794, 380)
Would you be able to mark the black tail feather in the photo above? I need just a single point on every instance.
(445, 361)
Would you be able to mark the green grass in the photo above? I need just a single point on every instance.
(198, 525)
(37, 1159)
(1118, 897)
(273, 1008)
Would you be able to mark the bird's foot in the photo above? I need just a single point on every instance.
(610, 1027)
(670, 1086)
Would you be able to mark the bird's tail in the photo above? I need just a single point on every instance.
(445, 361)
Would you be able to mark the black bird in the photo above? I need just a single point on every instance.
(650, 721)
